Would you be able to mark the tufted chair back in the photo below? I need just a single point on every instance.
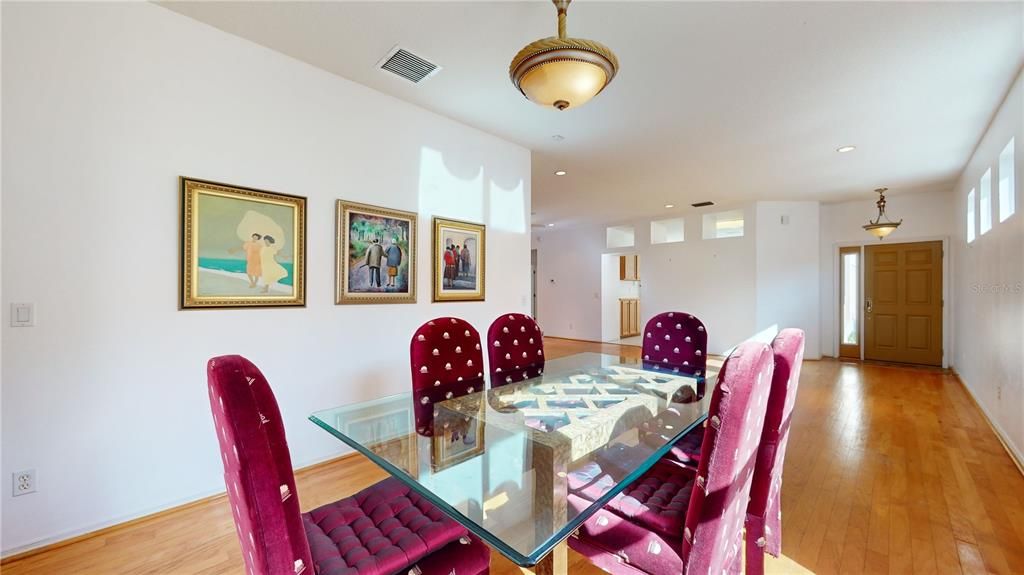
(713, 532)
(257, 469)
(764, 513)
(677, 342)
(446, 362)
(515, 347)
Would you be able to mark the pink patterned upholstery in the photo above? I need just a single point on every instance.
(764, 512)
(446, 362)
(515, 348)
(382, 529)
(257, 468)
(676, 342)
(644, 536)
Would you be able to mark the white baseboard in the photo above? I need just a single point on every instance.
(1011, 449)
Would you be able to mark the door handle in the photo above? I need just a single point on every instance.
(867, 305)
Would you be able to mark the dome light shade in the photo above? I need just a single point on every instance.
(560, 71)
(877, 227)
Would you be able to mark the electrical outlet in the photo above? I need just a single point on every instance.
(999, 393)
(23, 482)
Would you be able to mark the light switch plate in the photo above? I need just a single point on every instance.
(23, 315)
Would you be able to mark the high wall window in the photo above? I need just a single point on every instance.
(620, 236)
(723, 225)
(970, 216)
(985, 197)
(1007, 191)
(667, 231)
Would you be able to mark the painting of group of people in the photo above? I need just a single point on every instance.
(458, 260)
(458, 265)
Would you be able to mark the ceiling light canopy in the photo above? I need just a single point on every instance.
(560, 71)
(878, 227)
(844, 149)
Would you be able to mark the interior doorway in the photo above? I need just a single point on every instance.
(903, 303)
(620, 299)
(533, 284)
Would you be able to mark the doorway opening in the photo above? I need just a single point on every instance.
(533, 284)
(620, 299)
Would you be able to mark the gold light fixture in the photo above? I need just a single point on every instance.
(562, 72)
(878, 227)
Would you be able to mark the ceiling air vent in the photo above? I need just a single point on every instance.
(703, 204)
(404, 63)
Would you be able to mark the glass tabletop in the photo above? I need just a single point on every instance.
(503, 461)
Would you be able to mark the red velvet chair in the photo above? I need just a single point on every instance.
(764, 512)
(384, 529)
(677, 341)
(515, 348)
(446, 362)
(675, 519)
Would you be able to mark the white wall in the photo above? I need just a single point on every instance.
(568, 282)
(712, 279)
(104, 106)
(926, 216)
(989, 287)
(788, 274)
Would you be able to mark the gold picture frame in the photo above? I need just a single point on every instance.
(374, 235)
(229, 255)
(458, 435)
(457, 277)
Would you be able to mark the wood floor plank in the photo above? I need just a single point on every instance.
(889, 470)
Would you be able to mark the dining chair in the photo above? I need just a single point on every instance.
(447, 362)
(764, 512)
(515, 348)
(675, 341)
(678, 342)
(385, 528)
(676, 519)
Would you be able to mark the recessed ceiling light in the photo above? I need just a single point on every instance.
(551, 225)
(844, 149)
(558, 137)
(670, 205)
(560, 173)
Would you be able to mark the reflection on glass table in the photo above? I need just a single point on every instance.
(501, 461)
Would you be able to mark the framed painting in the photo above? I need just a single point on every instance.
(376, 255)
(241, 247)
(458, 435)
(459, 260)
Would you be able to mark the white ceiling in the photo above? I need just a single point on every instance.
(729, 102)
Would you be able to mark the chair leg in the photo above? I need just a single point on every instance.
(755, 553)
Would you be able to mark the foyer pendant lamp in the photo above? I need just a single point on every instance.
(881, 226)
(562, 72)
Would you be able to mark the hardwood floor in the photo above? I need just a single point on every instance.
(889, 470)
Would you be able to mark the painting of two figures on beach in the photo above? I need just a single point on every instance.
(242, 247)
(255, 256)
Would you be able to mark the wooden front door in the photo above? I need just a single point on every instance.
(903, 303)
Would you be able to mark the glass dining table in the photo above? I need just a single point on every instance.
(501, 461)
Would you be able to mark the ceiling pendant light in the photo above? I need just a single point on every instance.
(878, 227)
(562, 72)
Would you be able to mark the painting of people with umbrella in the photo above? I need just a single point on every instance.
(376, 252)
(241, 247)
